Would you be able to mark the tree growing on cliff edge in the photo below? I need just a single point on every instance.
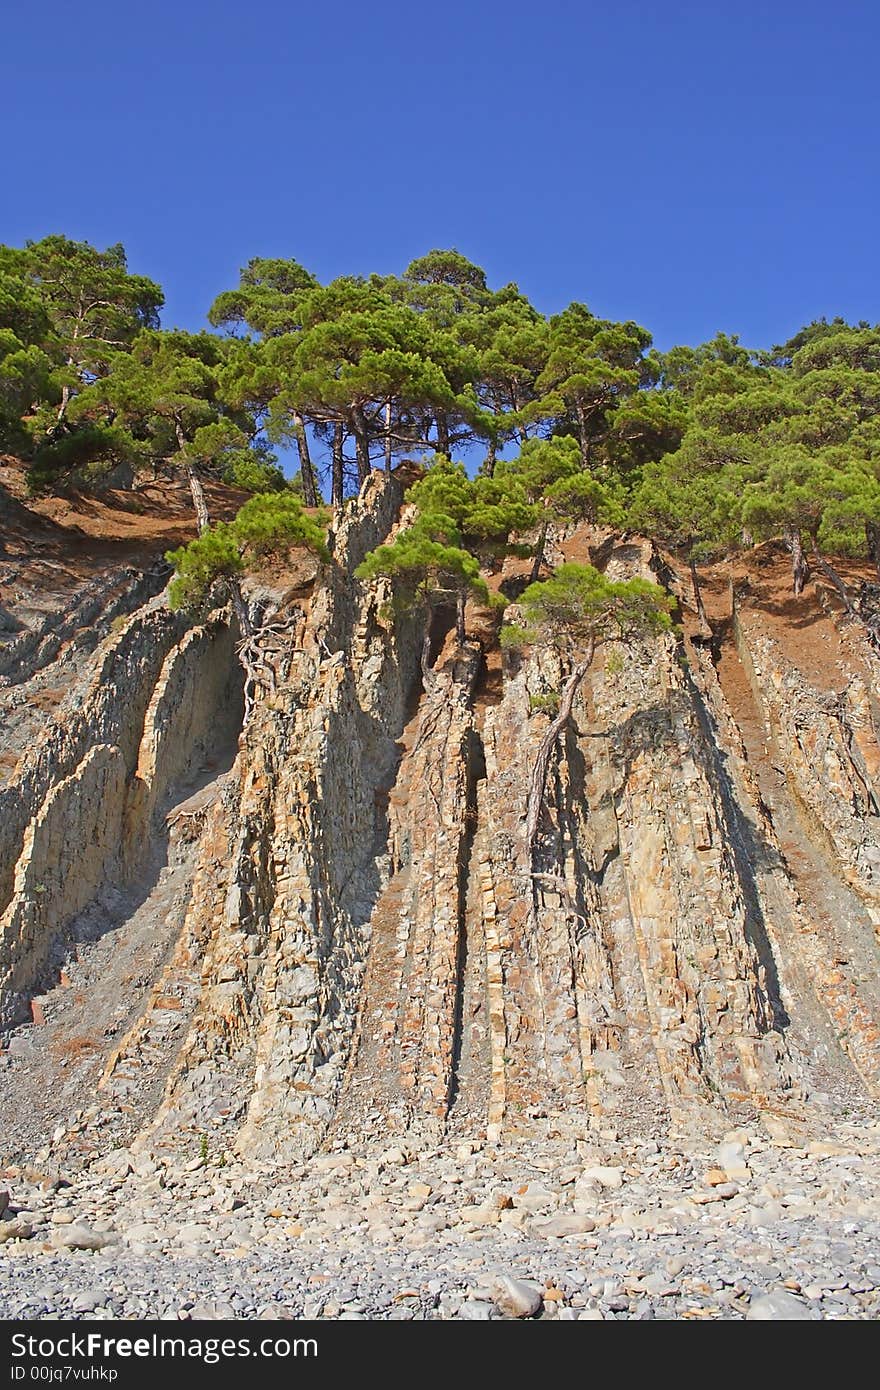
(165, 395)
(269, 301)
(67, 311)
(461, 524)
(25, 365)
(550, 475)
(362, 355)
(690, 501)
(267, 524)
(486, 511)
(428, 567)
(95, 306)
(572, 612)
(593, 366)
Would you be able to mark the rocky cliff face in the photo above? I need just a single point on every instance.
(336, 929)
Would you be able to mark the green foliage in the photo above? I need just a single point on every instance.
(72, 311)
(25, 365)
(593, 366)
(25, 377)
(276, 522)
(424, 567)
(578, 604)
(86, 456)
(253, 470)
(95, 306)
(707, 447)
(267, 300)
(164, 392)
(690, 499)
(445, 285)
(166, 402)
(213, 555)
(688, 369)
(485, 511)
(830, 497)
(271, 523)
(551, 475)
(614, 662)
(544, 704)
(785, 443)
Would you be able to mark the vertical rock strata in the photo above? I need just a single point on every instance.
(369, 945)
(287, 920)
(633, 972)
(79, 815)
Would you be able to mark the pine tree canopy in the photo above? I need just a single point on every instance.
(571, 417)
(578, 605)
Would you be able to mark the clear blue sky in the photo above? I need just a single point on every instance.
(694, 166)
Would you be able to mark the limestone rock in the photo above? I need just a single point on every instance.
(516, 1298)
(79, 1236)
(778, 1306)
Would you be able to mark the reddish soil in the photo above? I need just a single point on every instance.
(85, 532)
(76, 534)
(802, 626)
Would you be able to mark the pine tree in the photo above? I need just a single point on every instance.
(267, 524)
(165, 393)
(551, 476)
(572, 612)
(95, 306)
(593, 365)
(690, 501)
(270, 301)
(25, 363)
(429, 567)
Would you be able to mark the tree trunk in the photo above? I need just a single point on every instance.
(65, 390)
(337, 481)
(443, 434)
(460, 628)
(203, 520)
(489, 461)
(872, 536)
(705, 625)
(800, 570)
(539, 554)
(583, 438)
(831, 574)
(387, 436)
(361, 444)
(538, 779)
(307, 472)
(239, 607)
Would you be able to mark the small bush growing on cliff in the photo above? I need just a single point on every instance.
(269, 523)
(273, 523)
(213, 555)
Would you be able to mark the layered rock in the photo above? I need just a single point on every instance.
(78, 816)
(368, 943)
(828, 741)
(286, 920)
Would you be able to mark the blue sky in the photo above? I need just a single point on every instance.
(690, 165)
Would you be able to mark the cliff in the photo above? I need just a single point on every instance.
(324, 922)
